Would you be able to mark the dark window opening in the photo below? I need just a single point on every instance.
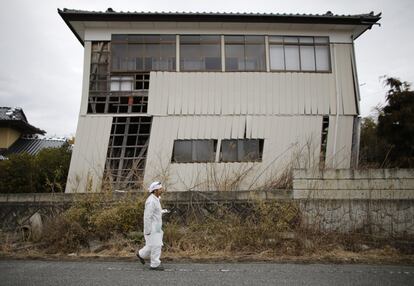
(194, 151)
(241, 150)
(324, 141)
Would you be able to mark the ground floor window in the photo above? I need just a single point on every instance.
(204, 150)
(194, 151)
(241, 150)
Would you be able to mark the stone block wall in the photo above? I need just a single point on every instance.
(372, 201)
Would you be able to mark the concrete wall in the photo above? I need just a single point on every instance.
(371, 201)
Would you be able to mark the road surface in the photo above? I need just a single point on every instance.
(33, 272)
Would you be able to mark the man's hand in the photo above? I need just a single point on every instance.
(165, 211)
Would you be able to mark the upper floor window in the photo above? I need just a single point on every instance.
(200, 53)
(299, 53)
(143, 52)
(245, 53)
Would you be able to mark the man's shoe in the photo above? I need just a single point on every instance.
(159, 268)
(140, 259)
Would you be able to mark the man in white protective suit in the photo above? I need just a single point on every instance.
(153, 228)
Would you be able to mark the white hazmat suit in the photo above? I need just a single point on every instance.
(152, 231)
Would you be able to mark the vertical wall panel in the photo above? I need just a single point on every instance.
(339, 156)
(85, 79)
(89, 153)
(219, 92)
(267, 90)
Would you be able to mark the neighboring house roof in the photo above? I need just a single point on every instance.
(33, 146)
(71, 15)
(14, 117)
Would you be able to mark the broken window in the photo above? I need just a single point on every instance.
(324, 141)
(241, 150)
(245, 53)
(115, 92)
(127, 150)
(299, 53)
(200, 53)
(194, 151)
(143, 53)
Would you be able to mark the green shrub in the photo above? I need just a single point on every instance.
(18, 174)
(43, 173)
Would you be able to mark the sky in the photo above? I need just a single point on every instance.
(41, 61)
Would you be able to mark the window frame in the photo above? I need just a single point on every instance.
(199, 43)
(193, 151)
(244, 44)
(299, 44)
(238, 159)
(130, 42)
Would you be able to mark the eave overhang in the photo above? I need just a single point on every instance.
(362, 22)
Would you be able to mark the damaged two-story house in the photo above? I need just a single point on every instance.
(213, 100)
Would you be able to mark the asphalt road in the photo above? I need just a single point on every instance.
(19, 272)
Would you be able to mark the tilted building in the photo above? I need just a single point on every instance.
(213, 101)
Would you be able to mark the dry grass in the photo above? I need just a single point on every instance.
(96, 226)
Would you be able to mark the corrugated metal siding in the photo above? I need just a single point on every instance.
(288, 140)
(341, 158)
(89, 152)
(343, 63)
(86, 75)
(256, 93)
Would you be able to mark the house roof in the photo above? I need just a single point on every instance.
(14, 117)
(32, 146)
(71, 15)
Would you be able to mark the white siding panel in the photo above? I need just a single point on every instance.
(313, 91)
(257, 93)
(319, 95)
(211, 93)
(277, 92)
(218, 91)
(287, 96)
(175, 91)
(183, 95)
(295, 92)
(267, 84)
(197, 95)
(154, 96)
(241, 104)
(332, 95)
(240, 93)
(86, 77)
(204, 93)
(347, 81)
(339, 156)
(89, 153)
(189, 86)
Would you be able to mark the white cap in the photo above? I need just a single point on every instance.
(154, 186)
